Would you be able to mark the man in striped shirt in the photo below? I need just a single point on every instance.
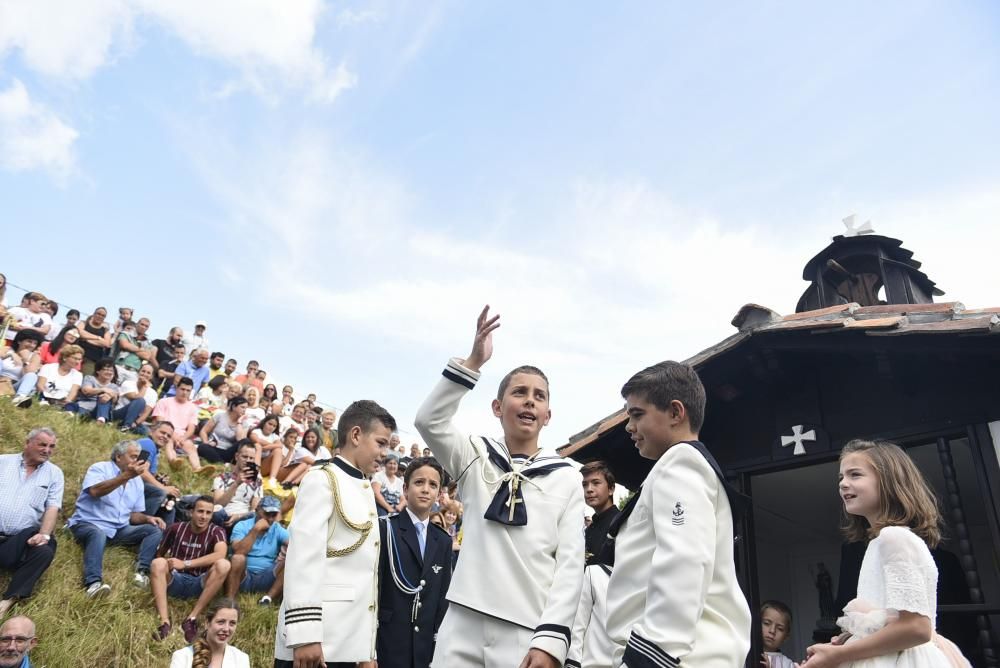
(190, 562)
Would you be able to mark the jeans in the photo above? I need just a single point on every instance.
(129, 413)
(26, 386)
(101, 410)
(93, 540)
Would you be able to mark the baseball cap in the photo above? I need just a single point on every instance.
(270, 504)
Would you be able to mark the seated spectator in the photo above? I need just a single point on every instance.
(296, 420)
(210, 398)
(261, 377)
(256, 542)
(59, 384)
(155, 491)
(254, 413)
(111, 508)
(220, 435)
(52, 308)
(238, 490)
(190, 563)
(124, 318)
(98, 393)
(166, 374)
(136, 400)
(230, 368)
(198, 339)
(270, 392)
(328, 421)
(452, 514)
(50, 349)
(212, 648)
(195, 368)
(72, 317)
(20, 365)
(31, 317)
(312, 419)
(31, 495)
(388, 487)
(289, 443)
(180, 411)
(249, 379)
(268, 446)
(287, 400)
(132, 348)
(298, 463)
(215, 361)
(165, 347)
(95, 339)
(17, 639)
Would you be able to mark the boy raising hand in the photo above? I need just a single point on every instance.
(516, 588)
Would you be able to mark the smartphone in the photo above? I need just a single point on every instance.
(143, 457)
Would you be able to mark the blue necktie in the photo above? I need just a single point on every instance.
(421, 539)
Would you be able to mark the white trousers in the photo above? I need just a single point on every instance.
(468, 639)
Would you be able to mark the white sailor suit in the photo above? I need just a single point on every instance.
(331, 570)
(673, 598)
(517, 583)
(591, 646)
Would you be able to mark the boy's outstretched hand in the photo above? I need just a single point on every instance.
(482, 345)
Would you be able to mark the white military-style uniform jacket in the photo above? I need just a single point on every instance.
(527, 575)
(331, 570)
(673, 598)
(591, 647)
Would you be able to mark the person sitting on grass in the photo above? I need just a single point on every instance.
(190, 563)
(17, 639)
(301, 459)
(267, 444)
(111, 508)
(136, 400)
(256, 542)
(49, 351)
(155, 490)
(238, 490)
(223, 431)
(212, 647)
(58, 384)
(182, 413)
(20, 364)
(98, 393)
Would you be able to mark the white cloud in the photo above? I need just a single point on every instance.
(271, 44)
(31, 136)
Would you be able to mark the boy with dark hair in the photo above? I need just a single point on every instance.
(673, 598)
(599, 494)
(515, 590)
(329, 613)
(775, 625)
(414, 572)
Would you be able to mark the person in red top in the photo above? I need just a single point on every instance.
(50, 349)
(190, 562)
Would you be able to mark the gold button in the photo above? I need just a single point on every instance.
(371, 607)
(376, 543)
(365, 485)
(371, 514)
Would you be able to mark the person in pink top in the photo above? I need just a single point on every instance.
(49, 351)
(180, 411)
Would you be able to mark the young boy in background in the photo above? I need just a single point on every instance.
(775, 625)
(516, 588)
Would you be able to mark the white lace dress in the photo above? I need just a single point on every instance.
(898, 574)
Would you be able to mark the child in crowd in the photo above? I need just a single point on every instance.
(212, 648)
(891, 622)
(514, 596)
(452, 513)
(673, 598)
(299, 461)
(775, 625)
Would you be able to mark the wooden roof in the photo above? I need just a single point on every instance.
(946, 318)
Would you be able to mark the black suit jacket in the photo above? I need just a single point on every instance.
(403, 642)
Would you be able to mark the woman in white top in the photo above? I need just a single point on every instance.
(299, 461)
(212, 648)
(388, 487)
(58, 384)
(254, 413)
(267, 441)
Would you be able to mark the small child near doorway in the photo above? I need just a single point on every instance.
(775, 626)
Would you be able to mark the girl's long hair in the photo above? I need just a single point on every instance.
(57, 342)
(202, 652)
(905, 498)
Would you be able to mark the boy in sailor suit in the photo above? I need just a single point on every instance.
(523, 523)
(329, 614)
(673, 598)
(414, 572)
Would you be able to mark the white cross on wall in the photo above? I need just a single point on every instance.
(798, 438)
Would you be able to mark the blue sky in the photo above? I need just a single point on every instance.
(337, 187)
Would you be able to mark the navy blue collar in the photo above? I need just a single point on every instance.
(348, 468)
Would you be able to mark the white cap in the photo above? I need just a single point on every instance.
(201, 323)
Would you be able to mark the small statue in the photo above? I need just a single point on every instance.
(826, 626)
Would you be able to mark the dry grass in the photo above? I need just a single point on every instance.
(117, 630)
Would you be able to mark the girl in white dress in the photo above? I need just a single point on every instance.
(891, 622)
(212, 648)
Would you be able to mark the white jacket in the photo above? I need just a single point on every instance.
(322, 593)
(527, 575)
(591, 647)
(673, 599)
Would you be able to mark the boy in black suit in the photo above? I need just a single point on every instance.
(414, 572)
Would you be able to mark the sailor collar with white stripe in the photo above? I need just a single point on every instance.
(500, 448)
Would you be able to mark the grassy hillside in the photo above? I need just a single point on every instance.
(116, 630)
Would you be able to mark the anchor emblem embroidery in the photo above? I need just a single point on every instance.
(436, 569)
(678, 514)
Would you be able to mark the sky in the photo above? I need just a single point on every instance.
(338, 188)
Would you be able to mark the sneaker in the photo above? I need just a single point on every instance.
(97, 589)
(43, 402)
(162, 631)
(140, 580)
(22, 400)
(264, 600)
(190, 627)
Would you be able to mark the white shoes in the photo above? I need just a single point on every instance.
(140, 580)
(98, 589)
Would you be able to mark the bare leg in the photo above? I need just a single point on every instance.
(213, 583)
(279, 582)
(158, 572)
(236, 571)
